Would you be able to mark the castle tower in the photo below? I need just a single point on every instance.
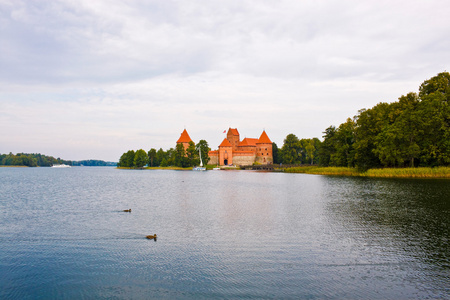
(264, 153)
(184, 139)
(225, 153)
(233, 137)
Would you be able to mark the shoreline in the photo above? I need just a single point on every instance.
(420, 172)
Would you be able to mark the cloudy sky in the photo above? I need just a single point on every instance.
(91, 79)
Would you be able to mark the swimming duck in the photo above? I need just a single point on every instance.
(151, 237)
(127, 210)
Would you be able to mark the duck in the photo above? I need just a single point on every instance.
(151, 237)
(127, 210)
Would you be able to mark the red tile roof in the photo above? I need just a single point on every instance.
(264, 139)
(225, 143)
(248, 142)
(184, 138)
(233, 131)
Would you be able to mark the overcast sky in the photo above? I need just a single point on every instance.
(91, 79)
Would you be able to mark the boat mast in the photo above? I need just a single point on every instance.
(200, 154)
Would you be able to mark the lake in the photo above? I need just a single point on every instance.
(221, 234)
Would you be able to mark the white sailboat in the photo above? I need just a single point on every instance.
(201, 167)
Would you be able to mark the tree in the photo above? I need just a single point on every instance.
(328, 146)
(152, 158)
(275, 154)
(160, 156)
(140, 158)
(344, 151)
(179, 155)
(203, 146)
(369, 124)
(191, 158)
(434, 94)
(310, 150)
(129, 159)
(123, 160)
(398, 142)
(291, 150)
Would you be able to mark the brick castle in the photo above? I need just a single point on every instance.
(233, 151)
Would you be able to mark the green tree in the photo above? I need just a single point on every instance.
(152, 158)
(164, 163)
(344, 139)
(123, 160)
(129, 160)
(291, 150)
(276, 153)
(191, 158)
(328, 146)
(369, 124)
(140, 158)
(310, 150)
(179, 155)
(160, 155)
(397, 144)
(434, 94)
(203, 146)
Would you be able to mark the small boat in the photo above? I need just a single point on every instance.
(201, 167)
(61, 166)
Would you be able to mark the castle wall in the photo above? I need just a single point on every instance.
(243, 160)
(247, 148)
(213, 158)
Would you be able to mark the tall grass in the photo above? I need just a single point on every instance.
(324, 170)
(438, 172)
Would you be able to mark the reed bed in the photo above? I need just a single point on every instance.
(438, 172)
(422, 172)
(342, 171)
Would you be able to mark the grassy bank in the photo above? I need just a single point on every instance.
(3, 166)
(438, 172)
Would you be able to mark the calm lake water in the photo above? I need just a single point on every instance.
(221, 234)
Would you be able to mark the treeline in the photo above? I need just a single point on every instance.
(40, 160)
(178, 156)
(414, 131)
(30, 160)
(297, 151)
(94, 163)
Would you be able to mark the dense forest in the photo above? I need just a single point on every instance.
(413, 131)
(40, 160)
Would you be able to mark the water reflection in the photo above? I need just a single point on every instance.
(404, 222)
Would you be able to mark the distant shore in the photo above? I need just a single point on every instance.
(420, 172)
